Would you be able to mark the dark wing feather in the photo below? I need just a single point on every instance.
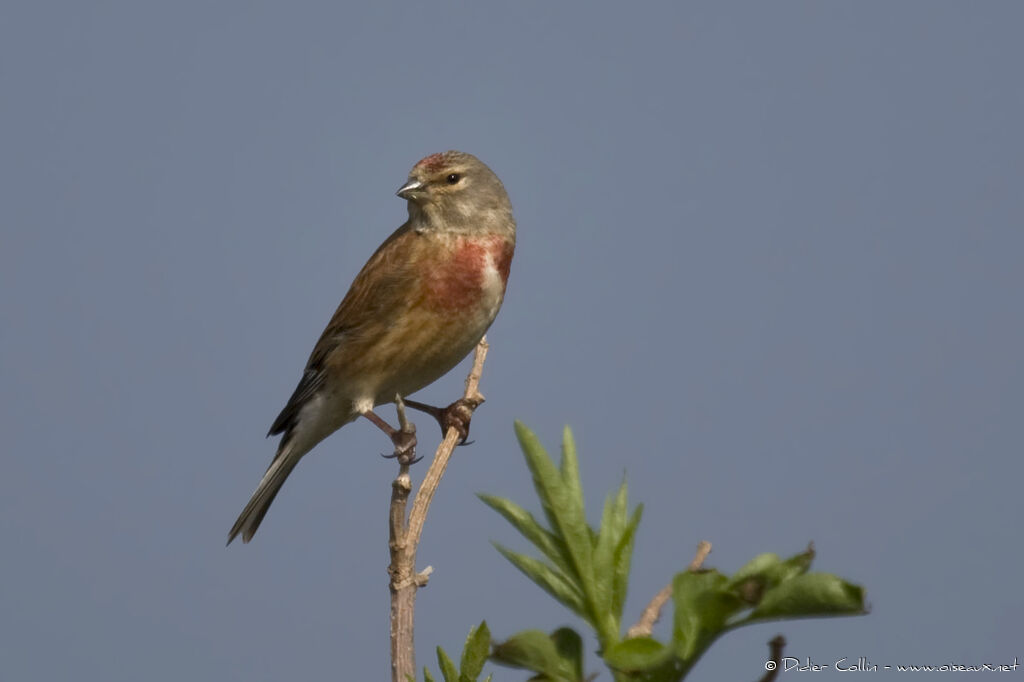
(311, 381)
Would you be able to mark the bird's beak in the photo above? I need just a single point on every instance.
(410, 189)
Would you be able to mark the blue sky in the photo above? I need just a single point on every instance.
(769, 266)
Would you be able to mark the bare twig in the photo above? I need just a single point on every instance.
(404, 536)
(774, 658)
(703, 549)
(652, 612)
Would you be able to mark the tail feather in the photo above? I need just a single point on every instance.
(251, 517)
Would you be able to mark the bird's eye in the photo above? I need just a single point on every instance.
(454, 178)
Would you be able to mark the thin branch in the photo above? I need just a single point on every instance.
(774, 658)
(404, 536)
(652, 612)
(703, 549)
(402, 661)
(425, 494)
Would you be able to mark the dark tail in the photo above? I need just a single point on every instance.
(251, 517)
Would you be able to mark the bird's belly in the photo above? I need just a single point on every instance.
(416, 349)
(427, 346)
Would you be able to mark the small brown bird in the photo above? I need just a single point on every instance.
(418, 307)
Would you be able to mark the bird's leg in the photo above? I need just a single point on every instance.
(404, 438)
(457, 415)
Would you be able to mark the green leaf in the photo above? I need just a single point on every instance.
(560, 505)
(756, 567)
(767, 571)
(810, 594)
(533, 650)
(447, 666)
(549, 545)
(621, 561)
(548, 578)
(570, 648)
(703, 604)
(621, 512)
(571, 470)
(613, 526)
(604, 556)
(756, 576)
(427, 677)
(796, 565)
(475, 651)
(637, 654)
(545, 476)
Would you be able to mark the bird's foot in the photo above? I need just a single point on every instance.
(405, 446)
(457, 416)
(404, 439)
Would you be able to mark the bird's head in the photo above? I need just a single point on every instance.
(453, 190)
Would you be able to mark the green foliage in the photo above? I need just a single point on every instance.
(474, 655)
(587, 571)
(709, 604)
(557, 657)
(637, 653)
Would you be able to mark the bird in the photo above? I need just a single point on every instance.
(418, 306)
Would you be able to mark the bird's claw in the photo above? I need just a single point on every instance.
(400, 456)
(405, 447)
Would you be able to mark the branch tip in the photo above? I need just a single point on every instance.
(652, 612)
(703, 549)
(775, 646)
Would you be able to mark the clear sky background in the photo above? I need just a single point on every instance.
(769, 266)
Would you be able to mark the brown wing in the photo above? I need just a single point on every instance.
(375, 296)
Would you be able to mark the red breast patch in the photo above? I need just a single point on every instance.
(459, 283)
